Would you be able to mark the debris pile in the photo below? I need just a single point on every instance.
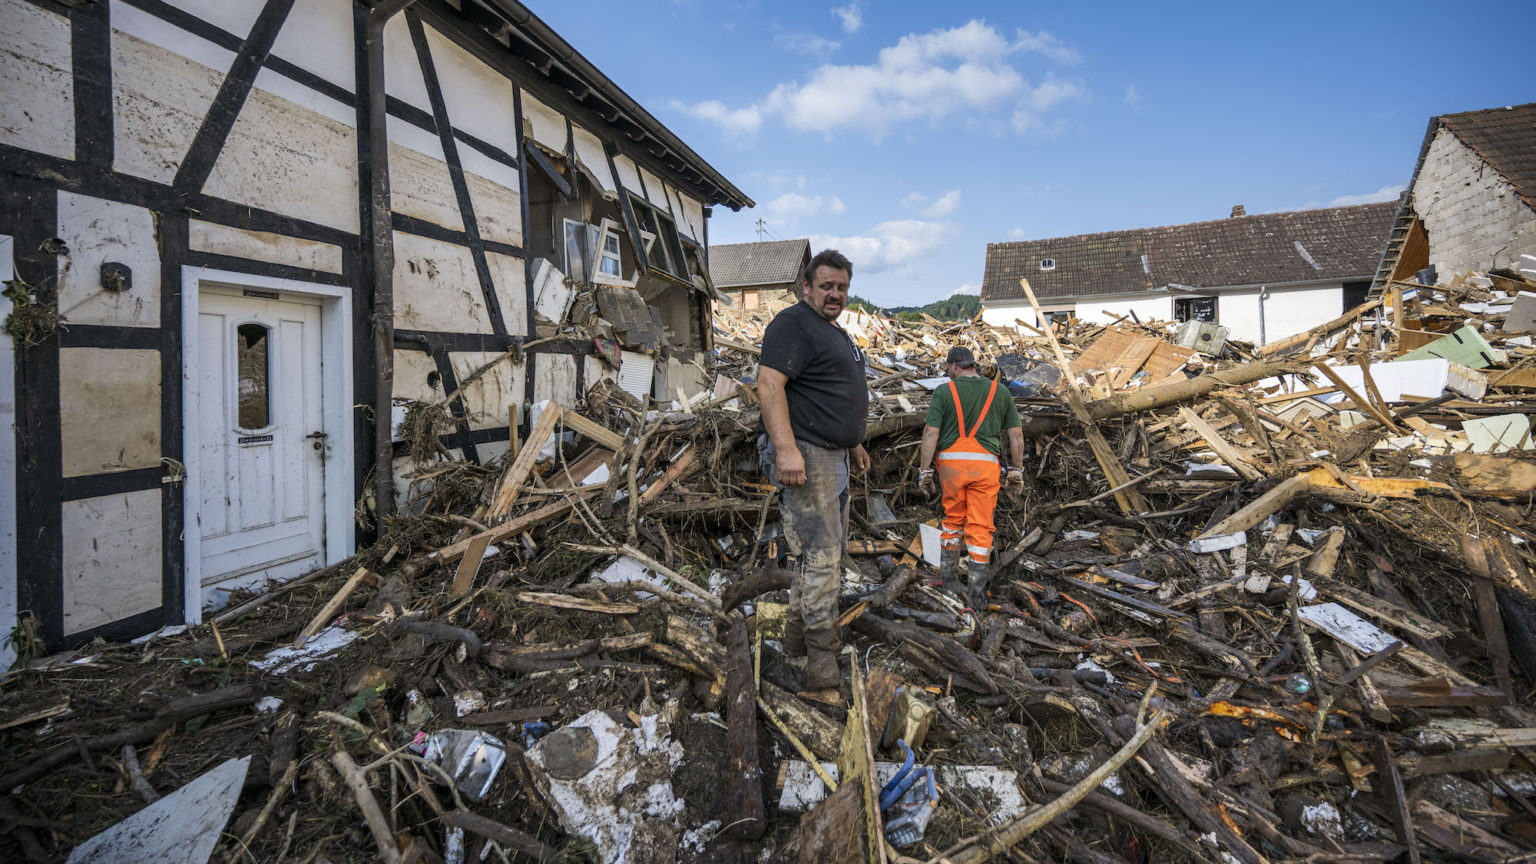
(1256, 603)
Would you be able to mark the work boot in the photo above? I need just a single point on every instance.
(794, 635)
(949, 567)
(978, 576)
(822, 647)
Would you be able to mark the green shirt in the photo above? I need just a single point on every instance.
(973, 394)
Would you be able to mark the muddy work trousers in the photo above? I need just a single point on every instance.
(815, 518)
(970, 500)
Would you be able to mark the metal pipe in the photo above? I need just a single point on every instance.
(1263, 295)
(382, 241)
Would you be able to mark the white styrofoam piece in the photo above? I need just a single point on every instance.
(303, 658)
(930, 537)
(1346, 627)
(1499, 434)
(1394, 380)
(183, 827)
(933, 383)
(625, 569)
(1219, 542)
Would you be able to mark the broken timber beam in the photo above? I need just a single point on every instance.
(746, 817)
(1187, 390)
(1260, 509)
(1128, 498)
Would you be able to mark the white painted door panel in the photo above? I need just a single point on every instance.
(258, 401)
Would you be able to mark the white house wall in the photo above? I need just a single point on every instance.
(1472, 215)
(159, 97)
(593, 158)
(288, 159)
(35, 59)
(99, 231)
(318, 38)
(1157, 307)
(112, 555)
(1286, 311)
(264, 246)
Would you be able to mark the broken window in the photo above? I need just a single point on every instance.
(594, 253)
(253, 373)
(658, 234)
(1354, 294)
(1194, 309)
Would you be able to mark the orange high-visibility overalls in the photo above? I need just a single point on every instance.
(968, 474)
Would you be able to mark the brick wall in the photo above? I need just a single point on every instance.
(1474, 218)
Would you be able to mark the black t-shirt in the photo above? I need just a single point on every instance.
(827, 393)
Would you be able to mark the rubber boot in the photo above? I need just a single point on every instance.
(978, 576)
(949, 567)
(822, 646)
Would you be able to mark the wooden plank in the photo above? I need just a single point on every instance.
(452, 553)
(517, 473)
(1361, 402)
(469, 565)
(685, 465)
(1370, 697)
(1396, 802)
(1262, 507)
(601, 434)
(329, 610)
(566, 601)
(1385, 610)
(1213, 439)
(1488, 617)
(509, 715)
(1434, 694)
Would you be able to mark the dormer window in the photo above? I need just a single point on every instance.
(1047, 263)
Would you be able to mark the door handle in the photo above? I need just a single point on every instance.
(318, 438)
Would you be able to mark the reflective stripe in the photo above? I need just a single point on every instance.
(983, 551)
(961, 454)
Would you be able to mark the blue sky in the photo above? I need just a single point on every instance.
(910, 135)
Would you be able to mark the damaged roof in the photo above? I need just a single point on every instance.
(527, 36)
(1268, 248)
(1505, 138)
(773, 262)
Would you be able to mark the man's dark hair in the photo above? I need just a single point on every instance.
(826, 258)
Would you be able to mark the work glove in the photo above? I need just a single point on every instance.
(1015, 483)
(925, 483)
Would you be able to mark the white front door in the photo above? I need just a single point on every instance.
(261, 437)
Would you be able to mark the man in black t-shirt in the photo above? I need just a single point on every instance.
(815, 405)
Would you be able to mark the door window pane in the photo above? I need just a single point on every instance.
(252, 376)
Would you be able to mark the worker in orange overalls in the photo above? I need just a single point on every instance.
(968, 467)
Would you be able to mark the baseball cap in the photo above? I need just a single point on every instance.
(961, 355)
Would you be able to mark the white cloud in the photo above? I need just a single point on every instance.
(851, 15)
(967, 288)
(792, 206)
(1385, 193)
(1131, 95)
(1037, 101)
(948, 203)
(805, 43)
(914, 199)
(924, 77)
(1017, 234)
(1047, 45)
(890, 246)
(739, 122)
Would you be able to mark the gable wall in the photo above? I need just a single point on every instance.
(1472, 214)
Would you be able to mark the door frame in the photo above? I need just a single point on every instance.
(335, 406)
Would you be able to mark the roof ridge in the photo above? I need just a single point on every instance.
(1228, 220)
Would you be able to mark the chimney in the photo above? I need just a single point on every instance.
(1237, 210)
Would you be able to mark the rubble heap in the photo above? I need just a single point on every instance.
(1257, 604)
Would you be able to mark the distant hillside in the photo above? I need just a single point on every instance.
(957, 307)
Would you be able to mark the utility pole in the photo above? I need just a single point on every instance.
(761, 227)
